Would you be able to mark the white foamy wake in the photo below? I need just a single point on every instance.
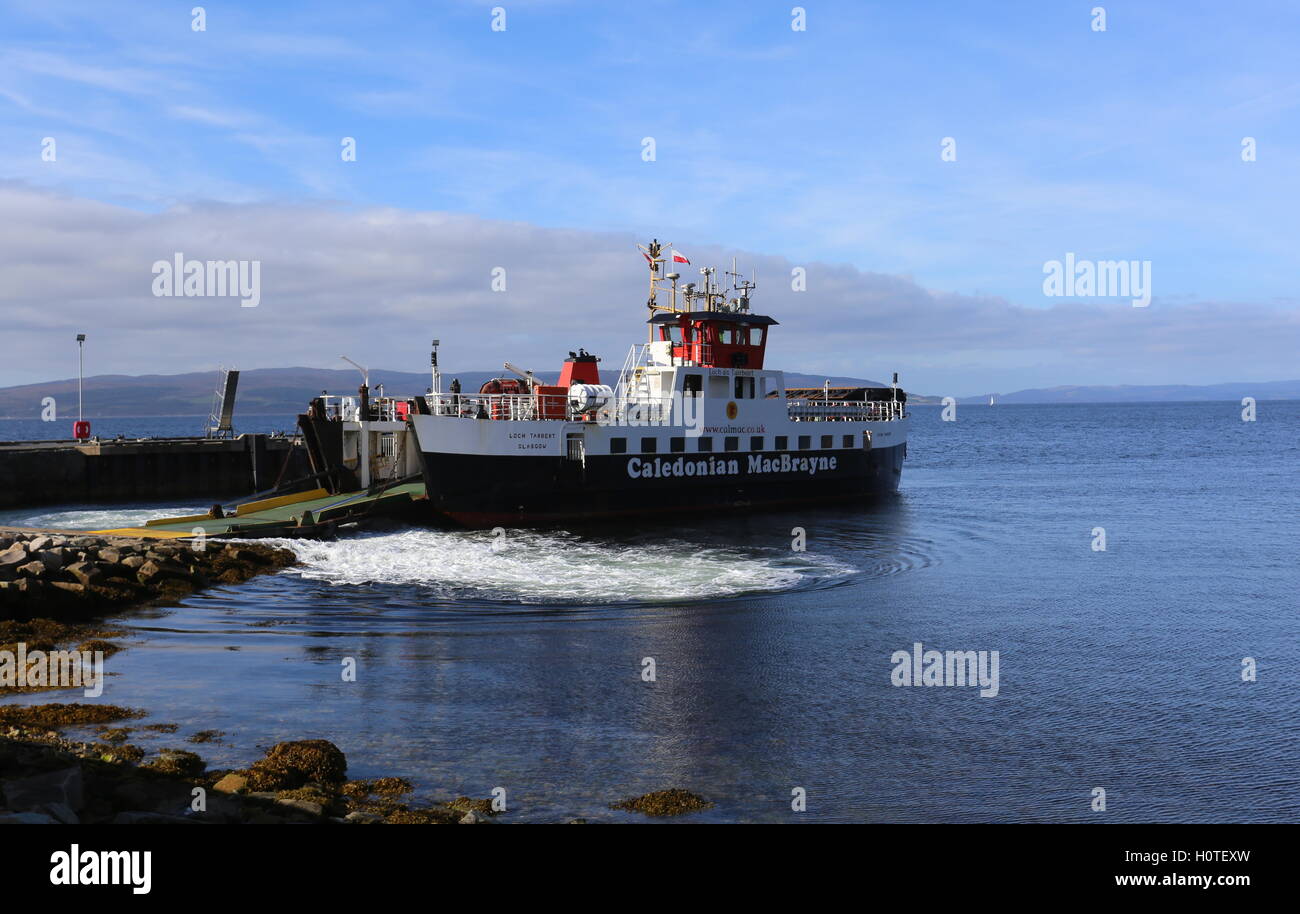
(535, 567)
(95, 518)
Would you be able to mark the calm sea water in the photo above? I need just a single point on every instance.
(522, 668)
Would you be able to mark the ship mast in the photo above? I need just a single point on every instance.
(654, 255)
(714, 296)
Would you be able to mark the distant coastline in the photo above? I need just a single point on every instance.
(285, 391)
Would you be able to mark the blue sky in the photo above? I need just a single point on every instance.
(820, 146)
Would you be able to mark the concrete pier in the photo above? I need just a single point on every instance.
(64, 472)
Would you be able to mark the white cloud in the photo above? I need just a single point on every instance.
(378, 284)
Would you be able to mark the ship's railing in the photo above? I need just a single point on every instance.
(516, 407)
(526, 407)
(382, 409)
(638, 357)
(631, 379)
(642, 410)
(846, 410)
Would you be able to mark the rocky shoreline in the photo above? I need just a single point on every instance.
(46, 779)
(51, 584)
(74, 575)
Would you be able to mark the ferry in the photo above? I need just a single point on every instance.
(694, 422)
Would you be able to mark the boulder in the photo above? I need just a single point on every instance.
(37, 543)
(222, 809)
(14, 556)
(295, 764)
(27, 818)
(110, 555)
(109, 570)
(150, 794)
(305, 806)
(31, 570)
(231, 783)
(30, 588)
(473, 817)
(61, 812)
(363, 818)
(52, 559)
(161, 570)
(84, 572)
(62, 786)
(178, 762)
(134, 562)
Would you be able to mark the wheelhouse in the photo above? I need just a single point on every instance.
(712, 338)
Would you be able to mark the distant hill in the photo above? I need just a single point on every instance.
(1149, 393)
(287, 390)
(261, 390)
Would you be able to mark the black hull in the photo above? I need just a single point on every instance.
(481, 491)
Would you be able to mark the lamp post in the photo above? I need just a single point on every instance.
(433, 366)
(81, 430)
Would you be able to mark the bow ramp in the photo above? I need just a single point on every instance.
(303, 514)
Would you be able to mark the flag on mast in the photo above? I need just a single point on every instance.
(679, 257)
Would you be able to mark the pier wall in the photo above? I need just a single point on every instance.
(56, 472)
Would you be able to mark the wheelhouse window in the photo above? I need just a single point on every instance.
(828, 441)
(848, 441)
(782, 443)
(649, 445)
(618, 445)
(704, 445)
(731, 443)
(693, 384)
(805, 442)
(677, 445)
(756, 443)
